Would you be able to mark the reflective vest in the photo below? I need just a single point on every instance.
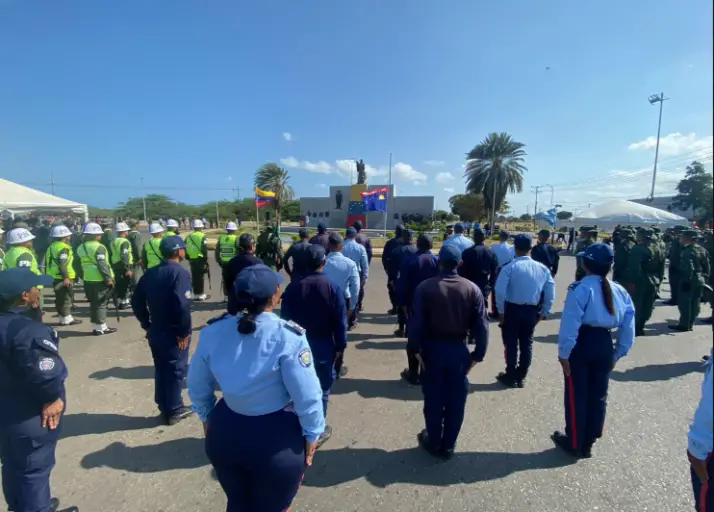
(227, 247)
(194, 241)
(117, 244)
(2, 257)
(87, 253)
(153, 252)
(52, 260)
(14, 253)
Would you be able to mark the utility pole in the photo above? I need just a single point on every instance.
(656, 98)
(143, 201)
(52, 182)
(535, 209)
(389, 190)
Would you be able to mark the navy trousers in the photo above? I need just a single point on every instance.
(392, 294)
(517, 331)
(586, 387)
(445, 387)
(27, 456)
(326, 375)
(170, 368)
(259, 460)
(703, 492)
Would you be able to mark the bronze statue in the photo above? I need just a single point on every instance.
(361, 173)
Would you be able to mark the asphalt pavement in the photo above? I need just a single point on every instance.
(114, 455)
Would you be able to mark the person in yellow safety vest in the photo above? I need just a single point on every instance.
(134, 238)
(98, 277)
(122, 261)
(20, 254)
(172, 228)
(197, 255)
(2, 253)
(59, 259)
(151, 254)
(226, 250)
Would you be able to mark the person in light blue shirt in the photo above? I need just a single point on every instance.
(701, 443)
(503, 250)
(357, 253)
(594, 305)
(524, 295)
(458, 239)
(263, 433)
(342, 271)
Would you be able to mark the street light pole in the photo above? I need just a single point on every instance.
(656, 98)
(143, 200)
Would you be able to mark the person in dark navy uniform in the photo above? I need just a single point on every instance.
(401, 254)
(262, 434)
(162, 304)
(545, 253)
(298, 253)
(245, 258)
(593, 307)
(415, 270)
(32, 394)
(479, 265)
(386, 257)
(319, 307)
(448, 312)
(322, 237)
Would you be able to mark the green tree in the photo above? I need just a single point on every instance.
(695, 191)
(271, 177)
(468, 206)
(525, 217)
(291, 211)
(494, 168)
(564, 215)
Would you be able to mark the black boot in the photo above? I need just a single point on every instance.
(506, 379)
(423, 439)
(563, 442)
(178, 415)
(326, 434)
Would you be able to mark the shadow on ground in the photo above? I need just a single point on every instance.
(396, 389)
(657, 372)
(186, 453)
(118, 372)
(83, 424)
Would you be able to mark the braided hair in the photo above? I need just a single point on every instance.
(602, 271)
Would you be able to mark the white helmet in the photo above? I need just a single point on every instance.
(92, 228)
(19, 236)
(155, 228)
(121, 226)
(231, 226)
(1, 231)
(172, 223)
(197, 224)
(60, 232)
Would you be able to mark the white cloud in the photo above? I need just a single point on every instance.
(407, 172)
(434, 163)
(450, 190)
(229, 179)
(321, 166)
(321, 185)
(287, 136)
(444, 177)
(674, 144)
(346, 168)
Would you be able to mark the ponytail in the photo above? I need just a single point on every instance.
(246, 324)
(607, 295)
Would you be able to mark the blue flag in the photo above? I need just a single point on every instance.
(548, 216)
(375, 200)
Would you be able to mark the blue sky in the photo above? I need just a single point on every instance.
(194, 96)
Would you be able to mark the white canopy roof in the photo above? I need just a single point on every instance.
(20, 199)
(626, 212)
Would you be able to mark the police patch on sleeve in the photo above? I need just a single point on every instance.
(187, 294)
(305, 358)
(573, 285)
(48, 343)
(294, 327)
(46, 364)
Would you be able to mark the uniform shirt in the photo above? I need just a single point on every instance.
(342, 272)
(415, 270)
(389, 247)
(258, 373)
(701, 430)
(523, 281)
(32, 373)
(357, 253)
(134, 238)
(322, 239)
(479, 265)
(504, 253)
(162, 300)
(401, 253)
(365, 242)
(235, 265)
(547, 255)
(318, 306)
(448, 308)
(584, 305)
(299, 253)
(460, 241)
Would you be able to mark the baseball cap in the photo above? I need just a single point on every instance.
(321, 228)
(504, 234)
(458, 228)
(170, 244)
(599, 253)
(522, 242)
(693, 233)
(350, 232)
(257, 282)
(449, 254)
(14, 281)
(544, 232)
(407, 233)
(316, 255)
(357, 225)
(303, 232)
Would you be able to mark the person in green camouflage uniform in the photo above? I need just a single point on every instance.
(656, 240)
(625, 241)
(269, 248)
(709, 246)
(588, 236)
(675, 250)
(693, 274)
(645, 268)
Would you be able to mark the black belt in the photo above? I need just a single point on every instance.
(595, 328)
(523, 305)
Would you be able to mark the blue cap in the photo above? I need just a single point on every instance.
(449, 253)
(458, 228)
(350, 232)
(479, 231)
(257, 283)
(316, 256)
(522, 242)
(321, 227)
(598, 253)
(14, 281)
(170, 244)
(504, 234)
(303, 233)
(407, 233)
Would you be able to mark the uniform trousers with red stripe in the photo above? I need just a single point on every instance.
(586, 386)
(703, 492)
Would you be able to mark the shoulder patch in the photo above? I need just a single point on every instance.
(51, 345)
(573, 285)
(46, 364)
(294, 327)
(217, 318)
(305, 358)
(187, 294)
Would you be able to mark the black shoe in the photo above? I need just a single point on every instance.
(392, 311)
(446, 454)
(54, 504)
(639, 332)
(520, 383)
(124, 306)
(707, 320)
(179, 414)
(108, 330)
(506, 380)
(351, 327)
(493, 316)
(587, 452)
(562, 441)
(679, 328)
(670, 302)
(342, 372)
(399, 333)
(405, 375)
(327, 434)
(423, 439)
(69, 509)
(705, 358)
(75, 321)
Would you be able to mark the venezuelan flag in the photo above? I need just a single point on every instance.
(263, 197)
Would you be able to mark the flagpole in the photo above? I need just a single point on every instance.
(389, 187)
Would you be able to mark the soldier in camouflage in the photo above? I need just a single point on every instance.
(624, 241)
(588, 236)
(269, 248)
(675, 250)
(693, 273)
(645, 268)
(709, 246)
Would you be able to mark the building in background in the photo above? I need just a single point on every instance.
(665, 203)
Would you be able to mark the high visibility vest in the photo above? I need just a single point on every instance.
(52, 260)
(194, 241)
(117, 244)
(14, 253)
(227, 247)
(2, 257)
(153, 252)
(87, 253)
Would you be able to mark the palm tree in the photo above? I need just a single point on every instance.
(494, 168)
(272, 178)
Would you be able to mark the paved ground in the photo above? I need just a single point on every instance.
(115, 457)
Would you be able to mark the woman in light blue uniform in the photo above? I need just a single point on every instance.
(262, 434)
(594, 305)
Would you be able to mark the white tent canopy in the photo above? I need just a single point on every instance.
(608, 215)
(20, 200)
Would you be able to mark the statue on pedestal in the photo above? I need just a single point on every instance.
(361, 173)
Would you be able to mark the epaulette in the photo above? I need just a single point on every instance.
(294, 327)
(573, 285)
(217, 318)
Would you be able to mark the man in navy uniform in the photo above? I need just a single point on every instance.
(318, 306)
(298, 253)
(479, 265)
(245, 258)
(162, 304)
(386, 256)
(322, 237)
(448, 311)
(545, 253)
(32, 394)
(365, 242)
(401, 254)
